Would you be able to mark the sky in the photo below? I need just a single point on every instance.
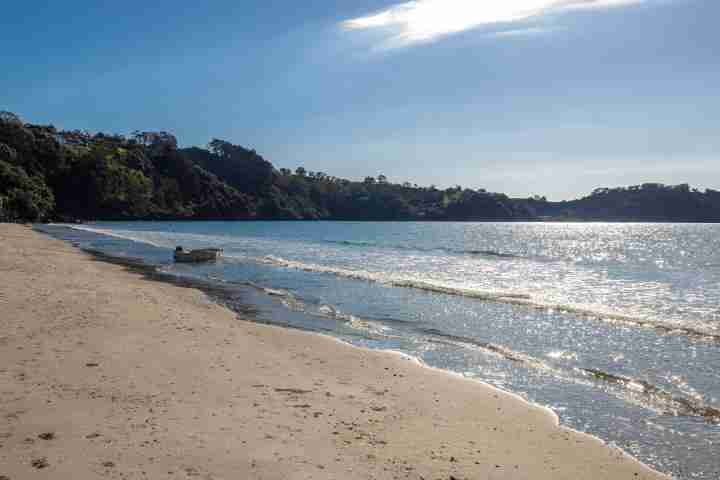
(525, 97)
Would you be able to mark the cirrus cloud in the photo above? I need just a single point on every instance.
(425, 20)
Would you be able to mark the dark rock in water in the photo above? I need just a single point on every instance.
(47, 436)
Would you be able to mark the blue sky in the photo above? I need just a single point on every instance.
(552, 97)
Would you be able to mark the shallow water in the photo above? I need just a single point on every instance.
(616, 327)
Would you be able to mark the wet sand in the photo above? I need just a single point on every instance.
(105, 373)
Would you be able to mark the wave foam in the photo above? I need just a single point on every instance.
(367, 243)
(633, 390)
(670, 404)
(386, 279)
(512, 298)
(125, 235)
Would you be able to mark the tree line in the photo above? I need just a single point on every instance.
(60, 175)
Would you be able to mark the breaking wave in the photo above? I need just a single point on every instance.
(369, 327)
(386, 279)
(637, 391)
(352, 243)
(671, 404)
(490, 253)
(368, 243)
(512, 298)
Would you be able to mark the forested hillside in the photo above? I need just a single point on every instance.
(48, 174)
(646, 202)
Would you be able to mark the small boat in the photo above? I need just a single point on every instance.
(201, 255)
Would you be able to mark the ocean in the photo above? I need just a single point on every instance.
(615, 327)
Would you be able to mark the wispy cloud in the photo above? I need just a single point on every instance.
(523, 32)
(418, 21)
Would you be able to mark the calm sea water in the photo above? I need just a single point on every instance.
(616, 327)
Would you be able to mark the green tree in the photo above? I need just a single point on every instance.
(23, 198)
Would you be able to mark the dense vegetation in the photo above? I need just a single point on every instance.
(46, 174)
(650, 201)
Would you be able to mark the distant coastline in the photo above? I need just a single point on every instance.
(74, 176)
(369, 220)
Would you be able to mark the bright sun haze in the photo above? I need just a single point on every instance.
(426, 19)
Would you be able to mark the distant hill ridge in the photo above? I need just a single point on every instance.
(46, 174)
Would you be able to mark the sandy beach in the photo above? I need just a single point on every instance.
(107, 374)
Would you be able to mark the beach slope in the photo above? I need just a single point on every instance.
(107, 374)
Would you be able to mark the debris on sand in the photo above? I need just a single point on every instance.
(40, 463)
(296, 391)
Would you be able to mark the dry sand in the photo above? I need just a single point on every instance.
(104, 373)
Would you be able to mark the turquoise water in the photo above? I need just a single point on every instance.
(616, 327)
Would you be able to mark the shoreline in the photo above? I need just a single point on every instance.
(393, 417)
(412, 220)
(510, 298)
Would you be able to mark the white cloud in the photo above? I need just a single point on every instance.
(523, 32)
(426, 20)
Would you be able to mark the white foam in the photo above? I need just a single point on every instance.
(124, 234)
(513, 298)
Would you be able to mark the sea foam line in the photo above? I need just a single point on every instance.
(112, 233)
(637, 391)
(390, 280)
(327, 311)
(512, 298)
(366, 243)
